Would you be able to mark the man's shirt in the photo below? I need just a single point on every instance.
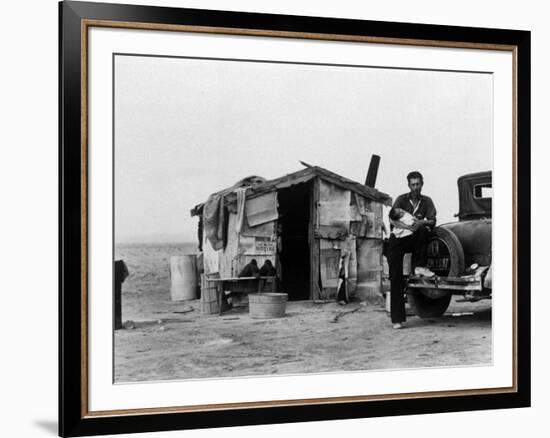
(425, 208)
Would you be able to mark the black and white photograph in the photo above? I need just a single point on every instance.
(291, 218)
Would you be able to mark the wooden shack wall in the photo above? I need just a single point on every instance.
(258, 243)
(260, 248)
(368, 232)
(344, 225)
(315, 291)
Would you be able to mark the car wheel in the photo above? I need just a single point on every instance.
(445, 253)
(445, 258)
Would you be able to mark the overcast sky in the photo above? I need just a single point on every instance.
(185, 128)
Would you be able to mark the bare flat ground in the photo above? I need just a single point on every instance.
(174, 341)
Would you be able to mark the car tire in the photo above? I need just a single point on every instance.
(430, 303)
(456, 252)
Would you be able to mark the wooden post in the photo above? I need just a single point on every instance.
(219, 296)
(314, 291)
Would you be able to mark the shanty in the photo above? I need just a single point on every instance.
(320, 232)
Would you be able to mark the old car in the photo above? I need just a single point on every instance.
(459, 253)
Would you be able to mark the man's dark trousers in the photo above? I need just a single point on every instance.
(397, 247)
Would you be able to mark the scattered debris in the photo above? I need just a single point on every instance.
(219, 341)
(341, 314)
(184, 311)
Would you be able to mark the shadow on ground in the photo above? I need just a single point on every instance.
(47, 425)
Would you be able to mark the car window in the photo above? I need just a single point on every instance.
(483, 190)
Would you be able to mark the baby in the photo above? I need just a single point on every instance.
(402, 221)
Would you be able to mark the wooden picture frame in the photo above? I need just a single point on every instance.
(75, 416)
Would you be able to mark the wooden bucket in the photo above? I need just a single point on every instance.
(209, 303)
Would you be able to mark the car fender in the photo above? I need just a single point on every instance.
(488, 280)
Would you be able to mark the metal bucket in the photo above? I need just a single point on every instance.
(183, 276)
(267, 305)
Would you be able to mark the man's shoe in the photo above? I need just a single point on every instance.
(398, 326)
(423, 272)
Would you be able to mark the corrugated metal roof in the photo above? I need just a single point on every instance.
(305, 175)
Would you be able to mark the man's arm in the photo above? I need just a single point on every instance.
(418, 223)
(430, 216)
(399, 224)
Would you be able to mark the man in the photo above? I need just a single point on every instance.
(121, 273)
(423, 210)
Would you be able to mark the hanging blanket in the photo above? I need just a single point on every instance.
(215, 227)
(215, 213)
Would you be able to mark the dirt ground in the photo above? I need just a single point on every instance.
(173, 341)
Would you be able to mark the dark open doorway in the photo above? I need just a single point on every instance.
(294, 208)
